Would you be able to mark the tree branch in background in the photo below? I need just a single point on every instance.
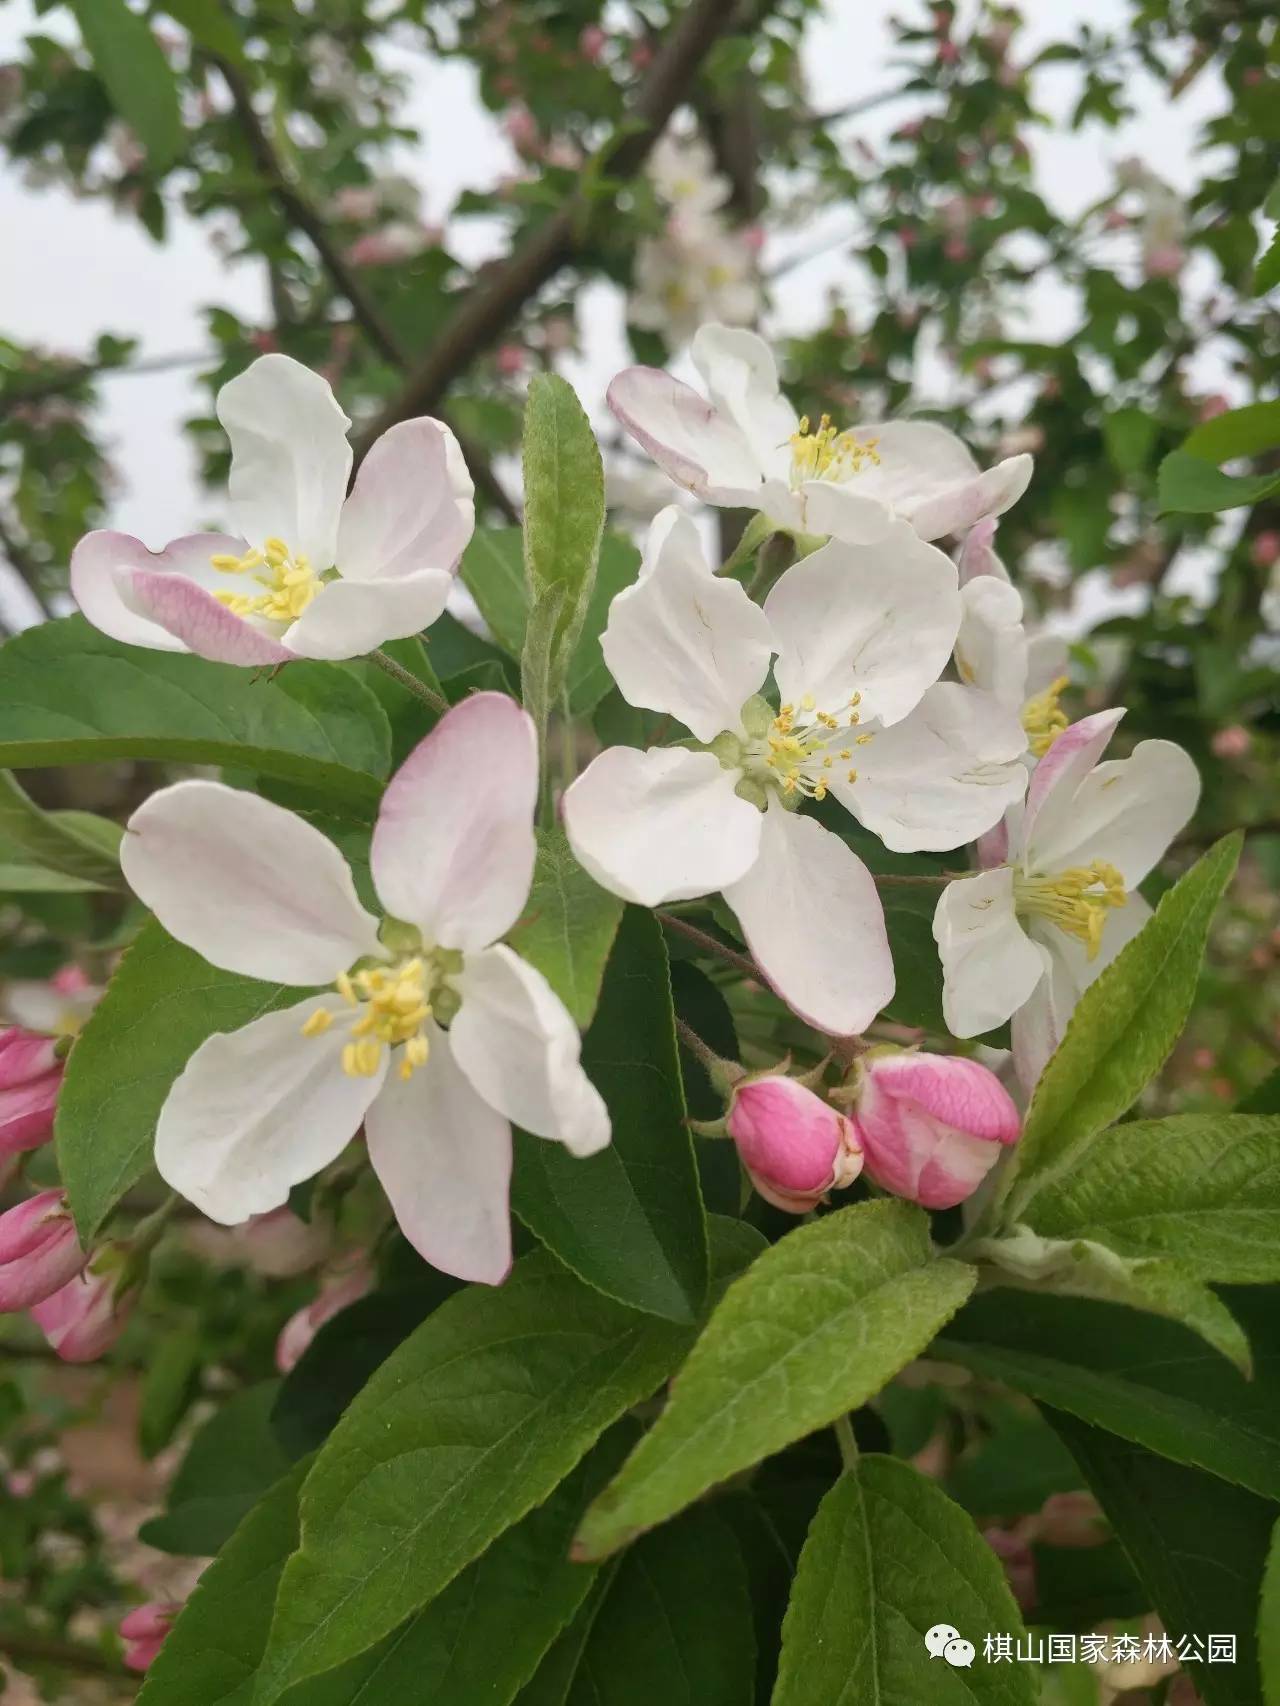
(368, 316)
(493, 303)
(22, 565)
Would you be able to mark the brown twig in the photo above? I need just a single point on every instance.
(491, 305)
(22, 565)
(709, 945)
(368, 315)
(73, 1655)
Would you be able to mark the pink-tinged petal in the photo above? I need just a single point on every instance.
(443, 1156)
(30, 1078)
(932, 1126)
(280, 1245)
(258, 1110)
(660, 825)
(741, 377)
(85, 1318)
(978, 553)
(812, 918)
(992, 846)
(962, 506)
(101, 558)
(688, 438)
(253, 888)
(346, 619)
(991, 647)
(412, 506)
(940, 777)
(25, 1056)
(290, 460)
(989, 965)
(515, 1042)
(682, 640)
(196, 618)
(454, 846)
(1051, 795)
(141, 1655)
(39, 1250)
(1125, 812)
(347, 1285)
(149, 1622)
(794, 1145)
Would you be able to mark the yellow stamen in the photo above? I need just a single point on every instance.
(1043, 718)
(392, 1006)
(1078, 901)
(290, 582)
(318, 1023)
(829, 454)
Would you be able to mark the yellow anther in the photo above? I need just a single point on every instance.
(1078, 901)
(853, 776)
(346, 989)
(1043, 718)
(828, 454)
(290, 583)
(318, 1023)
(820, 789)
(846, 752)
(856, 700)
(227, 564)
(807, 703)
(863, 739)
(393, 1005)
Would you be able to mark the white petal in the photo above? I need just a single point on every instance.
(812, 918)
(454, 847)
(660, 825)
(959, 507)
(290, 459)
(941, 776)
(741, 377)
(348, 618)
(258, 1110)
(251, 887)
(412, 506)
(443, 1156)
(840, 509)
(1051, 795)
(991, 647)
(879, 620)
(931, 479)
(195, 617)
(520, 1049)
(977, 554)
(989, 965)
(98, 559)
(1126, 812)
(1047, 659)
(700, 448)
(682, 640)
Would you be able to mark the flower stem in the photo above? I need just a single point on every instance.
(724, 1074)
(409, 681)
(888, 879)
(709, 944)
(842, 1427)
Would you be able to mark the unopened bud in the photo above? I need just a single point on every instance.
(30, 1077)
(931, 1126)
(39, 1250)
(795, 1146)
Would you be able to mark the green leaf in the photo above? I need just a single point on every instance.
(60, 841)
(888, 1557)
(160, 1005)
(479, 1640)
(1202, 1188)
(568, 926)
(539, 686)
(1136, 1375)
(138, 77)
(1130, 435)
(209, 25)
(1190, 485)
(630, 1219)
(168, 1386)
(1121, 1032)
(1238, 432)
(1264, 1098)
(472, 1422)
(817, 1326)
(229, 1465)
(1267, 276)
(211, 1655)
(69, 695)
(564, 507)
(1199, 1548)
(1269, 1624)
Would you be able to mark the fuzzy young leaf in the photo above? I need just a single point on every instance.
(70, 695)
(472, 1422)
(138, 77)
(539, 679)
(1203, 1189)
(888, 1557)
(816, 1327)
(630, 1219)
(568, 926)
(564, 506)
(162, 1003)
(1122, 1032)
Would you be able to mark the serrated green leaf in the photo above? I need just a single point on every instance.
(1190, 485)
(564, 506)
(1238, 432)
(60, 841)
(889, 1555)
(138, 77)
(1144, 1378)
(229, 1465)
(1203, 1189)
(1269, 1624)
(567, 927)
(816, 1326)
(630, 1219)
(160, 1005)
(1122, 1031)
(472, 1422)
(69, 695)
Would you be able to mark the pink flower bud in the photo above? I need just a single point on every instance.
(30, 1074)
(956, 249)
(592, 43)
(509, 359)
(280, 1245)
(85, 1318)
(1210, 407)
(1018, 1562)
(1265, 550)
(521, 128)
(39, 1250)
(1115, 220)
(795, 1146)
(1232, 742)
(1071, 1519)
(1164, 260)
(948, 53)
(932, 1126)
(299, 1330)
(143, 1632)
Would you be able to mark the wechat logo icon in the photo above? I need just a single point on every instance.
(946, 1642)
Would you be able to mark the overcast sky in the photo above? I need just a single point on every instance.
(69, 269)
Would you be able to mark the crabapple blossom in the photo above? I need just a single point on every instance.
(279, 1245)
(861, 634)
(1026, 936)
(30, 1078)
(86, 1316)
(993, 651)
(312, 572)
(353, 1282)
(143, 1631)
(745, 448)
(39, 1250)
(931, 1126)
(432, 1033)
(794, 1145)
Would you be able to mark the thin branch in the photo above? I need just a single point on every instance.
(709, 945)
(493, 303)
(368, 315)
(23, 566)
(72, 1655)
